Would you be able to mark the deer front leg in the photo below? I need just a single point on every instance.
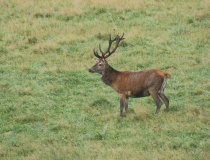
(126, 106)
(123, 103)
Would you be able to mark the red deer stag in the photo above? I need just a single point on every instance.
(131, 84)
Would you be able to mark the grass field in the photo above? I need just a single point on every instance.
(52, 108)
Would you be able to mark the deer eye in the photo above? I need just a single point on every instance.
(100, 64)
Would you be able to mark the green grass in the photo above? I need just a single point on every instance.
(52, 108)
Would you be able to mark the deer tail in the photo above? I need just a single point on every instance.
(167, 74)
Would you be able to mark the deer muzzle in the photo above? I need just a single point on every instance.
(90, 70)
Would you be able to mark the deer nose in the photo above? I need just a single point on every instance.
(90, 71)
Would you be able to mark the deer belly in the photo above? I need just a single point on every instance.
(138, 94)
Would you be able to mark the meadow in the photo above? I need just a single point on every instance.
(52, 108)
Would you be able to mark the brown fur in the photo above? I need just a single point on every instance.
(131, 84)
(135, 84)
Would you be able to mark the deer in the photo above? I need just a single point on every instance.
(131, 84)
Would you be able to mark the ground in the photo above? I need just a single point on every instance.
(51, 107)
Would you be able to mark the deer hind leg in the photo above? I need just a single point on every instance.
(165, 99)
(157, 100)
(162, 95)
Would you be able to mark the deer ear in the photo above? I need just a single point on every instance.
(97, 60)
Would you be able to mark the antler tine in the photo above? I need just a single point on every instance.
(110, 37)
(102, 53)
(110, 43)
(96, 53)
(117, 39)
(122, 37)
(114, 39)
(100, 49)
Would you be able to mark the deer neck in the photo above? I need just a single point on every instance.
(109, 75)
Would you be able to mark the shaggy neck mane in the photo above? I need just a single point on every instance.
(109, 75)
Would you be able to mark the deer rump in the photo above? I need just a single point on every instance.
(138, 84)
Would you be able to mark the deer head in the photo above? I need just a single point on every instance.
(101, 64)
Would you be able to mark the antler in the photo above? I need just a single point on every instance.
(96, 54)
(117, 39)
